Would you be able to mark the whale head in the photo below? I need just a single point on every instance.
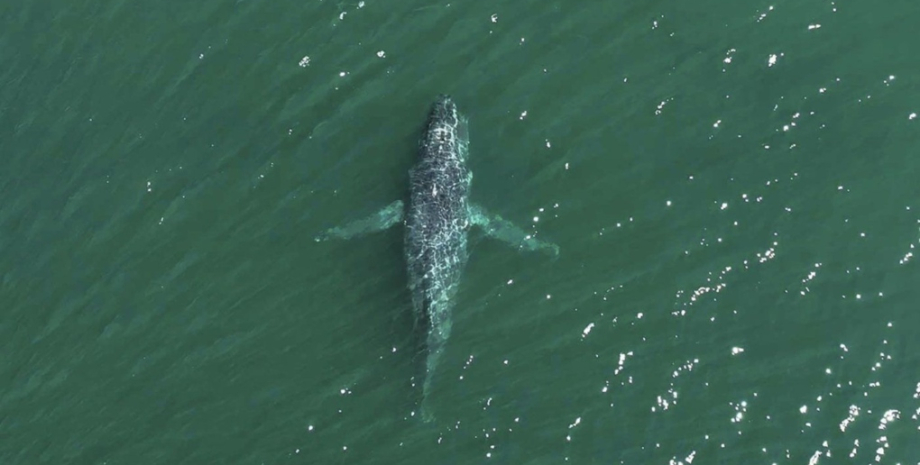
(444, 109)
(446, 136)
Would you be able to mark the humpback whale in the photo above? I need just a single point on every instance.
(438, 217)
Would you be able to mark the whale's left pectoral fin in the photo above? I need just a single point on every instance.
(385, 218)
(506, 231)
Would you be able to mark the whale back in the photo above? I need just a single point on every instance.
(437, 219)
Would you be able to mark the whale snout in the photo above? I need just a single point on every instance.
(444, 108)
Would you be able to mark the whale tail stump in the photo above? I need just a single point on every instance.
(431, 361)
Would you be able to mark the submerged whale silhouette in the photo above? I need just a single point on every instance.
(437, 220)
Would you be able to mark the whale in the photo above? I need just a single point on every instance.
(437, 220)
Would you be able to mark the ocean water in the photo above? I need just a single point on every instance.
(733, 186)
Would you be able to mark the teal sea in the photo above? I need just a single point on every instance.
(734, 187)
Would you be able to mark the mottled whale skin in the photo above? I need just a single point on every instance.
(437, 221)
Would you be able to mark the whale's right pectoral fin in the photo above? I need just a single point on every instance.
(382, 219)
(506, 231)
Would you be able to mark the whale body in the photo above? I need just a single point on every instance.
(437, 221)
